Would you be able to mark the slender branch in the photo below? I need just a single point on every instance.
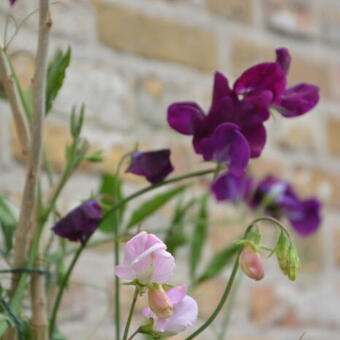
(27, 217)
(134, 334)
(20, 119)
(222, 301)
(38, 297)
(62, 287)
(132, 309)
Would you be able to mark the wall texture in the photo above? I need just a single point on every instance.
(131, 58)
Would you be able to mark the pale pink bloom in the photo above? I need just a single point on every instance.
(146, 260)
(184, 313)
(251, 264)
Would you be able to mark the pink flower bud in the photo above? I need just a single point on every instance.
(159, 302)
(251, 264)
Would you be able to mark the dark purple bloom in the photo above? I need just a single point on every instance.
(153, 165)
(12, 2)
(278, 199)
(232, 188)
(80, 222)
(247, 104)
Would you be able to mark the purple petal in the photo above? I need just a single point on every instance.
(221, 89)
(265, 76)
(283, 58)
(256, 137)
(153, 165)
(12, 2)
(306, 220)
(183, 117)
(298, 100)
(80, 222)
(227, 145)
(231, 188)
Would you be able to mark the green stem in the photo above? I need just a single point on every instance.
(222, 301)
(63, 286)
(132, 309)
(117, 287)
(271, 220)
(134, 334)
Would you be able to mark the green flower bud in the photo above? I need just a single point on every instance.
(293, 263)
(282, 252)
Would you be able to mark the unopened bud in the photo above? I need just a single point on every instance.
(293, 263)
(159, 302)
(282, 252)
(251, 264)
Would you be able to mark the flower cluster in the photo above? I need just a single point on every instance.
(148, 264)
(273, 197)
(233, 130)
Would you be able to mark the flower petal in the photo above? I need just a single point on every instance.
(284, 59)
(153, 165)
(221, 90)
(265, 76)
(298, 100)
(256, 137)
(231, 188)
(307, 219)
(227, 145)
(183, 117)
(177, 294)
(184, 315)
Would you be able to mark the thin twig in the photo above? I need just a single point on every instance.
(19, 116)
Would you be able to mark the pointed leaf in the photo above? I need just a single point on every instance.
(151, 206)
(219, 262)
(111, 190)
(175, 235)
(8, 222)
(199, 235)
(56, 75)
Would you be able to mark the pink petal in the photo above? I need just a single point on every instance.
(177, 294)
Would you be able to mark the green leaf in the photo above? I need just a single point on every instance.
(175, 235)
(199, 235)
(8, 222)
(151, 206)
(219, 262)
(111, 191)
(56, 75)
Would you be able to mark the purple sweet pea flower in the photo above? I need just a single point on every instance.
(184, 313)
(279, 200)
(12, 2)
(146, 260)
(232, 188)
(153, 165)
(79, 223)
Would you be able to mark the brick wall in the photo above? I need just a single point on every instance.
(131, 58)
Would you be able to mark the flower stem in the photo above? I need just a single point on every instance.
(134, 334)
(222, 301)
(132, 309)
(62, 288)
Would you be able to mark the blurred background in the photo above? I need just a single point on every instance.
(130, 60)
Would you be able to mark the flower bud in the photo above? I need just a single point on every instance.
(159, 302)
(282, 252)
(293, 263)
(251, 264)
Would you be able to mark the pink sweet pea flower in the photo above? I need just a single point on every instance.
(146, 260)
(184, 313)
